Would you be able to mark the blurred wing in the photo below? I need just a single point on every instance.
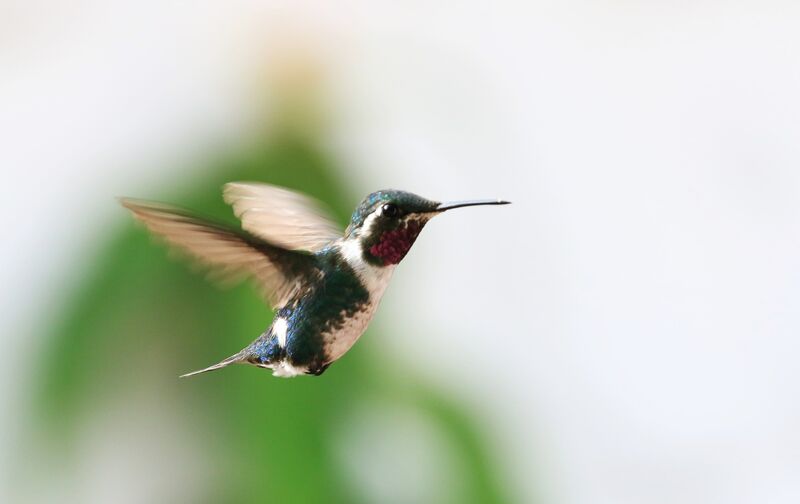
(231, 254)
(280, 216)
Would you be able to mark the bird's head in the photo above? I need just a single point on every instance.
(387, 223)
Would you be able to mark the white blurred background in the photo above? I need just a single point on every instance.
(627, 330)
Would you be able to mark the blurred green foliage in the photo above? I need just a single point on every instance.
(139, 319)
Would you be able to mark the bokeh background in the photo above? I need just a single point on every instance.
(626, 332)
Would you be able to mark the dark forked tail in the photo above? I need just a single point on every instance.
(233, 359)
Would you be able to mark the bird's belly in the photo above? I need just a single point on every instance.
(339, 340)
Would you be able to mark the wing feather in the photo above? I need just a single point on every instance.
(281, 216)
(232, 254)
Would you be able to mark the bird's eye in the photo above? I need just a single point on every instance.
(390, 210)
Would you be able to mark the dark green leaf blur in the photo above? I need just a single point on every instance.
(138, 319)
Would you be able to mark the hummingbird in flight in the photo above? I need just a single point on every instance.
(324, 285)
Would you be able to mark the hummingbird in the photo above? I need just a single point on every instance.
(324, 284)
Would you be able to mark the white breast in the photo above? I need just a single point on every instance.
(375, 279)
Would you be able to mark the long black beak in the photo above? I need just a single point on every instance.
(458, 204)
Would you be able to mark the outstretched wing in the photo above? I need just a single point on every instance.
(281, 216)
(231, 253)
